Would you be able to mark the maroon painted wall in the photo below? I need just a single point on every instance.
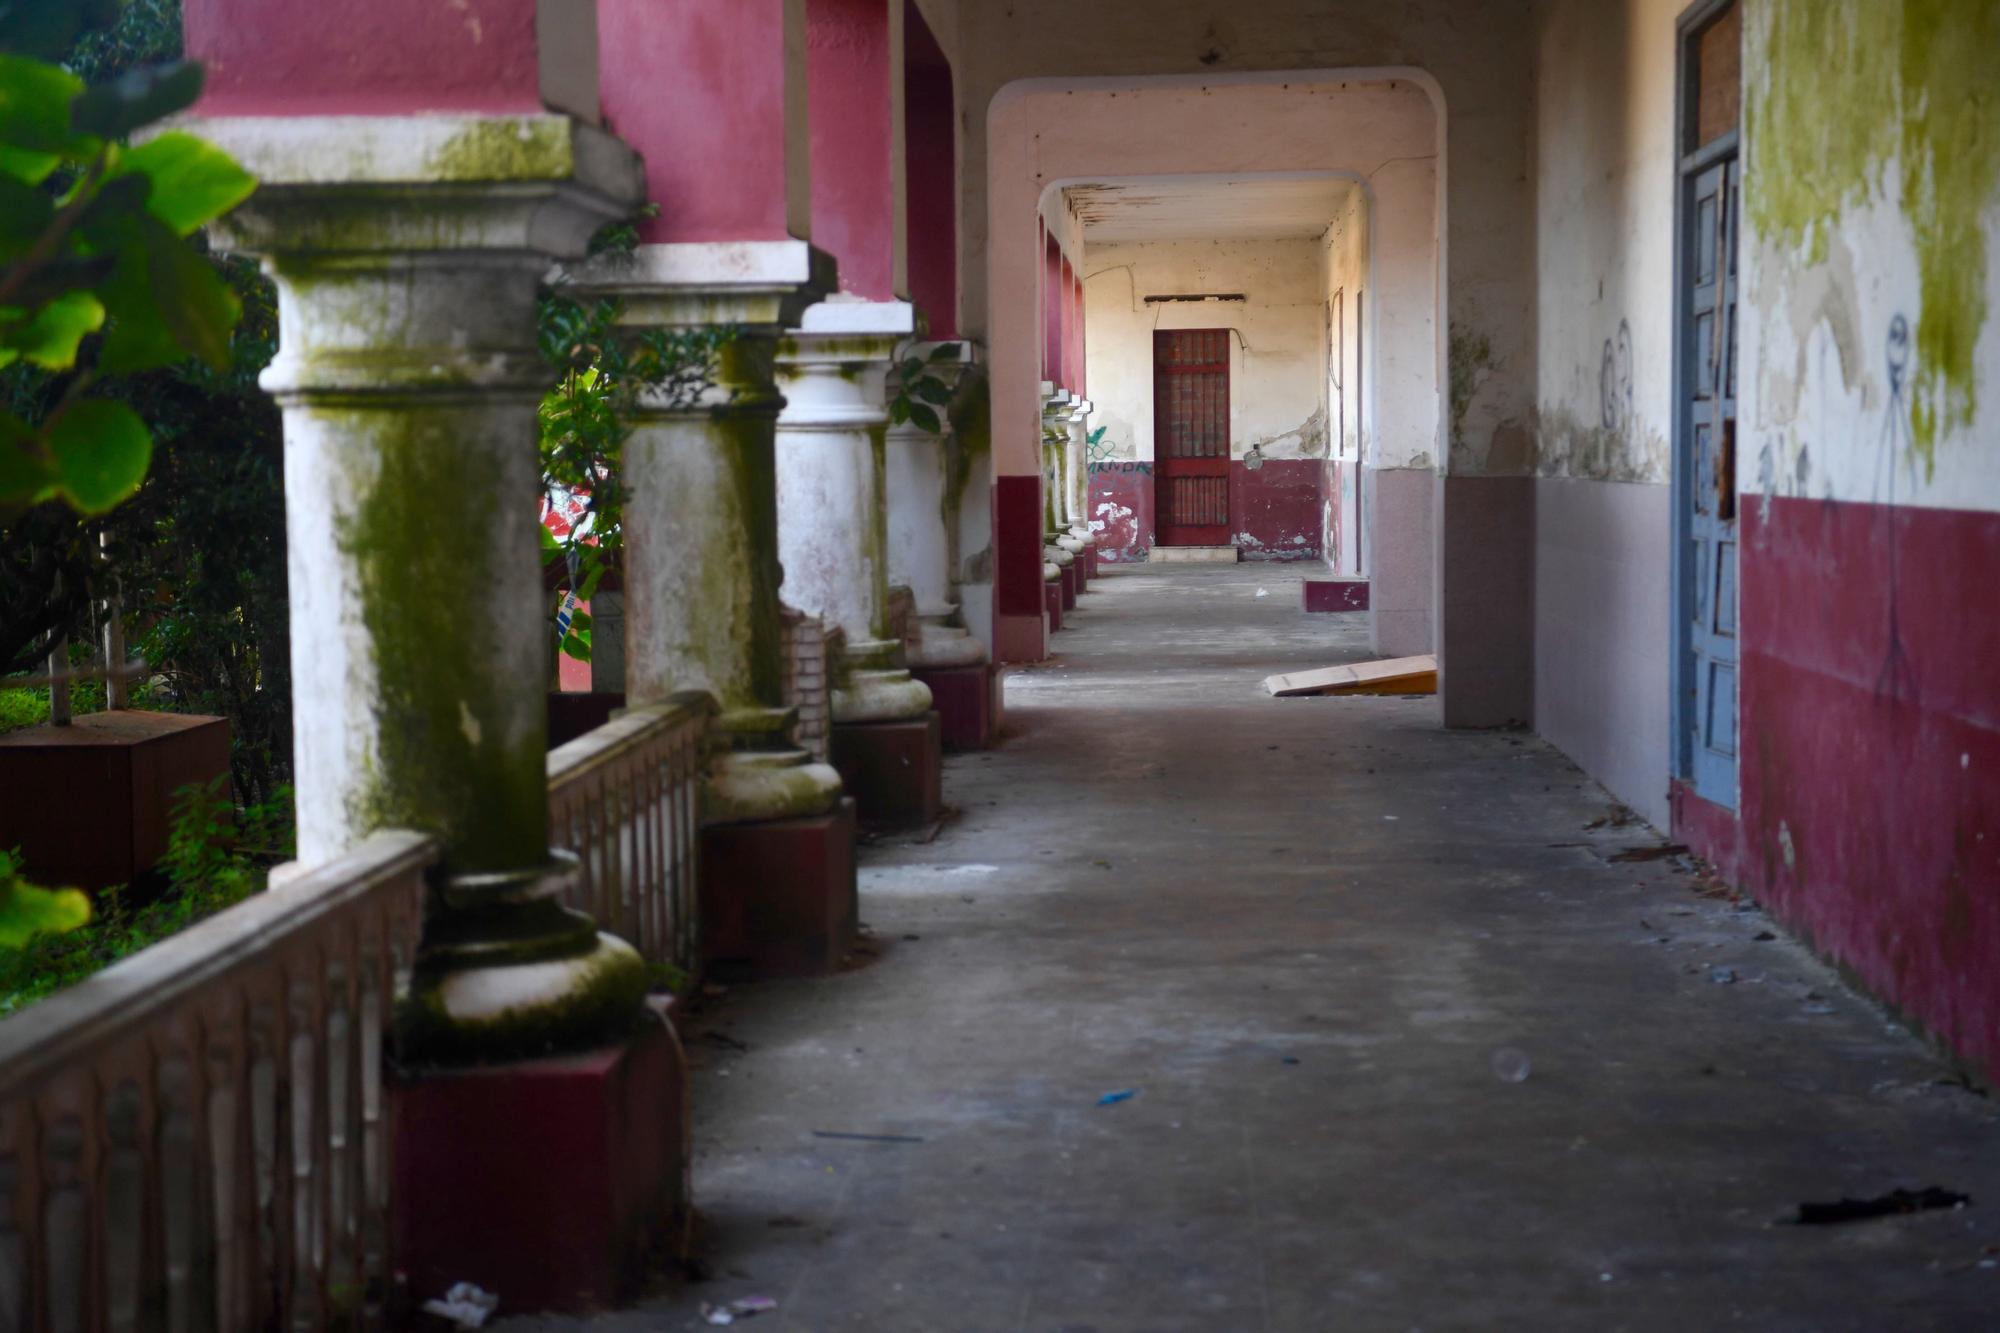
(703, 98)
(364, 57)
(1277, 507)
(853, 182)
(930, 151)
(1870, 751)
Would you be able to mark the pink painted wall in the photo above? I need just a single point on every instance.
(1052, 307)
(699, 89)
(1870, 761)
(1067, 292)
(930, 152)
(853, 142)
(364, 57)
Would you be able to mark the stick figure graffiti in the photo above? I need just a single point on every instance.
(1614, 380)
(1896, 674)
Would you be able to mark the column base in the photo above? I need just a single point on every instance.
(1069, 588)
(877, 695)
(968, 704)
(1090, 559)
(778, 897)
(1052, 598)
(571, 1221)
(894, 770)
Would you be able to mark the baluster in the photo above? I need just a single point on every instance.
(124, 1209)
(264, 1110)
(180, 1220)
(15, 1199)
(374, 1180)
(307, 1238)
(340, 1251)
(225, 1160)
(65, 1224)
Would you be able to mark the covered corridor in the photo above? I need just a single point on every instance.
(1299, 931)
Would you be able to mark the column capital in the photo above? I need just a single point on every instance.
(432, 183)
(764, 287)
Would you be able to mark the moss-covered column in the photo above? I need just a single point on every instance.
(921, 509)
(701, 507)
(832, 528)
(407, 254)
(1076, 462)
(1058, 546)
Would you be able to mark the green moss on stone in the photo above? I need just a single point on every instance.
(502, 149)
(458, 746)
(1470, 353)
(1850, 88)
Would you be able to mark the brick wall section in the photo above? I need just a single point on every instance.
(808, 680)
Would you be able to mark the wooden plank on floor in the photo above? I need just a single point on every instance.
(1391, 675)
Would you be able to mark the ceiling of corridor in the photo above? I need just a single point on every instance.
(1258, 207)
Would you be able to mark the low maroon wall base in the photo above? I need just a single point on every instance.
(1052, 602)
(552, 1182)
(1090, 560)
(1336, 594)
(967, 701)
(894, 770)
(1069, 587)
(778, 896)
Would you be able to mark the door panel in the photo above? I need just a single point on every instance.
(1708, 321)
(1191, 437)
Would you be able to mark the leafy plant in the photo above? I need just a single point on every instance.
(922, 392)
(604, 372)
(217, 855)
(93, 239)
(27, 911)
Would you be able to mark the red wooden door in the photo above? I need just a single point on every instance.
(1191, 437)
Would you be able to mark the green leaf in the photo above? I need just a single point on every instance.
(50, 338)
(24, 214)
(101, 451)
(899, 409)
(194, 182)
(926, 418)
(26, 911)
(577, 645)
(34, 107)
(931, 391)
(135, 98)
(911, 368)
(945, 352)
(192, 298)
(24, 478)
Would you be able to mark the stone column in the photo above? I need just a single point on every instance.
(407, 252)
(701, 517)
(832, 530)
(919, 491)
(1076, 489)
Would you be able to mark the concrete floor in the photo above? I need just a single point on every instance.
(1299, 931)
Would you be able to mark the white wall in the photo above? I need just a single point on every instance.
(1872, 193)
(1344, 284)
(1276, 382)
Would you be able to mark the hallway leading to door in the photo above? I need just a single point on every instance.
(1314, 939)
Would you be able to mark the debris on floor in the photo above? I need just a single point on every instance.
(1122, 1095)
(1658, 851)
(866, 1138)
(464, 1305)
(1892, 1204)
(735, 1310)
(1511, 1064)
(1391, 675)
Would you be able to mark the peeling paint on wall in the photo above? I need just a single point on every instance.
(1855, 100)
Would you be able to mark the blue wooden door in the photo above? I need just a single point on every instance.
(1708, 422)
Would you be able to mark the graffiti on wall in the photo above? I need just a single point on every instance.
(1615, 443)
(1614, 381)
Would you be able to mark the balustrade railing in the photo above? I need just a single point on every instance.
(626, 798)
(194, 1139)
